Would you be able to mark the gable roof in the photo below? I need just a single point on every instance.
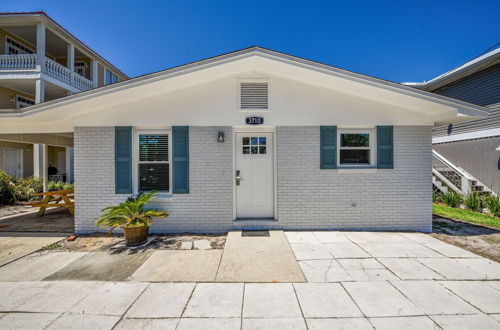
(258, 59)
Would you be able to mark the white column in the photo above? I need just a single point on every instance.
(93, 71)
(39, 90)
(71, 61)
(40, 46)
(40, 163)
(40, 63)
(69, 164)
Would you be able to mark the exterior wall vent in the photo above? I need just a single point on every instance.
(254, 95)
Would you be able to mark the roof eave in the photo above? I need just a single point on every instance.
(470, 67)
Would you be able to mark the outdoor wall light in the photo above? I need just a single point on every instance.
(220, 137)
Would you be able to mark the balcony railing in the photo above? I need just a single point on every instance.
(23, 62)
(58, 71)
(18, 62)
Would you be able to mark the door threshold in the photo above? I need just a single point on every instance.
(256, 219)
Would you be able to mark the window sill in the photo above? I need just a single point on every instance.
(357, 169)
(162, 197)
(165, 197)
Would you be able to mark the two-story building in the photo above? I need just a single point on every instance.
(467, 154)
(40, 61)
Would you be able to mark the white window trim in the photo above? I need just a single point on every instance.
(18, 103)
(135, 159)
(254, 80)
(371, 147)
(20, 42)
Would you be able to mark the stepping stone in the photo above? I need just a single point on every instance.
(202, 244)
(187, 245)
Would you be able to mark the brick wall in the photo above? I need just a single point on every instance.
(390, 199)
(308, 198)
(207, 208)
(94, 152)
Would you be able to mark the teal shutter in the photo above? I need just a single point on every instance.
(123, 160)
(385, 147)
(328, 138)
(180, 159)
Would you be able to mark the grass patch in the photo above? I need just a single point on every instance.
(52, 246)
(466, 215)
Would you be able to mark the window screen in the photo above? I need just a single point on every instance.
(355, 149)
(154, 167)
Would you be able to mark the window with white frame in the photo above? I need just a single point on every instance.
(110, 78)
(152, 161)
(80, 68)
(13, 47)
(355, 147)
(22, 102)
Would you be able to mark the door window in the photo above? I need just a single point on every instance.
(254, 145)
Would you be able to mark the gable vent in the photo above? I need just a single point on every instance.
(254, 95)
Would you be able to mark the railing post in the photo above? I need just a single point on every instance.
(466, 186)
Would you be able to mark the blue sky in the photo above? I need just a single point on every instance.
(393, 40)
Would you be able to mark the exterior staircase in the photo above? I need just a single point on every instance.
(446, 176)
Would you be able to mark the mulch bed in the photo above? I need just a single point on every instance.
(104, 242)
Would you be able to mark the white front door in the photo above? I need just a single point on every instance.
(13, 161)
(254, 175)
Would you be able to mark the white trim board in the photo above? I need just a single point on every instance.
(467, 136)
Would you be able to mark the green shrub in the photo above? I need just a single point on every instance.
(437, 196)
(24, 188)
(473, 202)
(452, 199)
(6, 189)
(493, 205)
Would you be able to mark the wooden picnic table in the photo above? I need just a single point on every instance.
(53, 199)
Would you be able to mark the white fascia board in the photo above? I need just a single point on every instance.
(467, 136)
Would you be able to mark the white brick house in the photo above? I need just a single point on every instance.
(253, 139)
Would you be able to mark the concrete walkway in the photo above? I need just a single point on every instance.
(258, 259)
(56, 220)
(371, 256)
(355, 280)
(345, 305)
(14, 246)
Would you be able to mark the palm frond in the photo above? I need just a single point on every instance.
(130, 213)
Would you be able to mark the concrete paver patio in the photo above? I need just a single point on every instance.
(423, 289)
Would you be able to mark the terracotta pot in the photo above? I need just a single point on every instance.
(136, 236)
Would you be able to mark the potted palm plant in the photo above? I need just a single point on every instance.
(132, 218)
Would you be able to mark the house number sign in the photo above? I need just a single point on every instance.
(254, 120)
